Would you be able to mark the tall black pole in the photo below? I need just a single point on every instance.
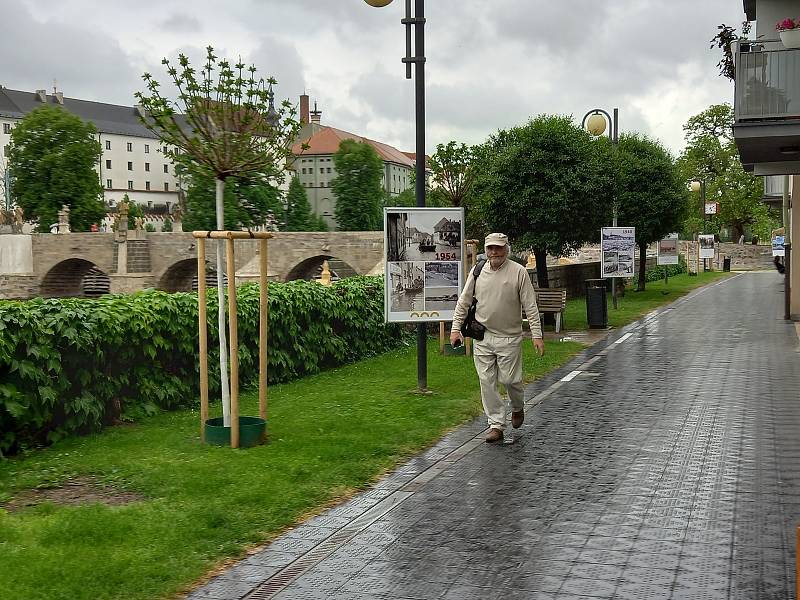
(418, 22)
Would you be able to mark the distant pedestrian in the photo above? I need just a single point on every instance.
(502, 291)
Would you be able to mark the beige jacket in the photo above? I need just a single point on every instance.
(502, 295)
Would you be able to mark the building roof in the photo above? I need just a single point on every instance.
(108, 118)
(327, 140)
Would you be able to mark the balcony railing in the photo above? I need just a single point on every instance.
(767, 82)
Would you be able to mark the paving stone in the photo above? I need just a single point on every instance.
(673, 473)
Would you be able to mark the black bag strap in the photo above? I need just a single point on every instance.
(476, 271)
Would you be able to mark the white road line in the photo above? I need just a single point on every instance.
(623, 338)
(571, 376)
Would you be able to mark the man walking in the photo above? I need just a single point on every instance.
(502, 290)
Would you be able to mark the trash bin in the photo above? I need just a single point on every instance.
(726, 263)
(596, 304)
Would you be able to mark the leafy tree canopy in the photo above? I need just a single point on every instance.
(546, 184)
(52, 158)
(247, 202)
(651, 193)
(357, 185)
(711, 156)
(299, 216)
(451, 166)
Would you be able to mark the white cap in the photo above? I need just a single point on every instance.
(496, 239)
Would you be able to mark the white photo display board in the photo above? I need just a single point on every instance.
(668, 250)
(618, 250)
(777, 246)
(424, 255)
(706, 245)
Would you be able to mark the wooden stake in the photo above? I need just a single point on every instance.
(203, 334)
(234, 343)
(263, 329)
(441, 337)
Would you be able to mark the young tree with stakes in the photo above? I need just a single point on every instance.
(225, 122)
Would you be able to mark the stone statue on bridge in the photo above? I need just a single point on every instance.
(63, 220)
(19, 219)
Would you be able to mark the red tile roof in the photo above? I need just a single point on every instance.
(327, 140)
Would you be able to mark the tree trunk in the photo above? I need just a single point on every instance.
(543, 280)
(223, 342)
(541, 268)
(642, 266)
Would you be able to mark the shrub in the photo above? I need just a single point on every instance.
(73, 365)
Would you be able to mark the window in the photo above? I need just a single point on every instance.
(108, 184)
(108, 164)
(329, 169)
(130, 166)
(130, 185)
(6, 128)
(147, 185)
(304, 170)
(164, 150)
(322, 169)
(130, 146)
(147, 148)
(166, 186)
(166, 168)
(147, 167)
(108, 144)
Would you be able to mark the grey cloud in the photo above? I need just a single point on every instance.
(85, 62)
(182, 23)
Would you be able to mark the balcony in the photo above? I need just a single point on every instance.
(767, 108)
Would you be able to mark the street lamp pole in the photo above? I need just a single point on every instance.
(598, 121)
(417, 21)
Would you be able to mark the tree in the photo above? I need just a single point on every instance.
(711, 155)
(546, 185)
(651, 193)
(298, 212)
(451, 166)
(227, 125)
(134, 210)
(53, 156)
(435, 197)
(358, 189)
(247, 202)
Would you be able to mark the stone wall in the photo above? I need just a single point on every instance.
(18, 287)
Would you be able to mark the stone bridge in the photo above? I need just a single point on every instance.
(90, 264)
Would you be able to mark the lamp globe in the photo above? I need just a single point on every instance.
(596, 124)
(378, 3)
(695, 185)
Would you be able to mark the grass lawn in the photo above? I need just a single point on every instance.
(331, 434)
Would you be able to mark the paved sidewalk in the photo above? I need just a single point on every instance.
(663, 462)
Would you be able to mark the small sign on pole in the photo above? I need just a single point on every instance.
(618, 250)
(777, 246)
(668, 250)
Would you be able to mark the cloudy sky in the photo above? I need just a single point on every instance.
(491, 63)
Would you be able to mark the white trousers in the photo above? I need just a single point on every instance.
(499, 360)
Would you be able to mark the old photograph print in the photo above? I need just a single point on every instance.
(424, 273)
(618, 246)
(441, 298)
(438, 274)
(407, 286)
(423, 236)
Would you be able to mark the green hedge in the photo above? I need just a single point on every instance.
(73, 365)
(656, 273)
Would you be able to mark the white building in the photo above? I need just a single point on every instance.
(133, 159)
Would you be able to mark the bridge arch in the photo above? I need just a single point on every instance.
(310, 267)
(179, 276)
(75, 277)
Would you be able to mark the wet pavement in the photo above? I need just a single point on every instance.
(663, 462)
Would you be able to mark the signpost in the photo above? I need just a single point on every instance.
(668, 253)
(617, 251)
(424, 252)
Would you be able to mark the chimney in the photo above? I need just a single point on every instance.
(140, 111)
(304, 120)
(316, 115)
(41, 95)
(59, 97)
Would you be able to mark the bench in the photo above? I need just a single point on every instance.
(552, 300)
